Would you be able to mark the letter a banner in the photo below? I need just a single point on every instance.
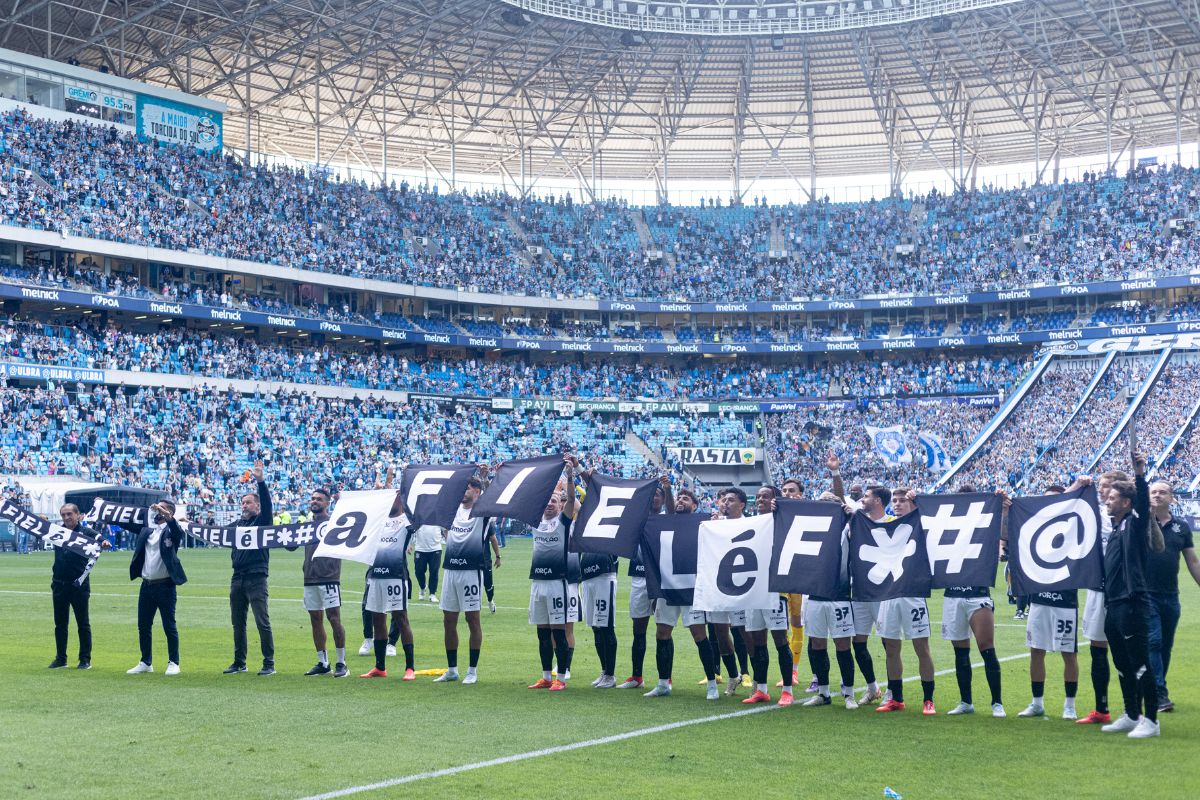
(733, 564)
(352, 532)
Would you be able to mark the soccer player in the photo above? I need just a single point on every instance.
(599, 593)
(1162, 577)
(387, 591)
(793, 490)
(873, 502)
(832, 618)
(549, 601)
(426, 549)
(639, 600)
(905, 618)
(156, 562)
(1051, 626)
(71, 589)
(731, 504)
(665, 618)
(467, 542)
(1094, 608)
(759, 621)
(323, 594)
(248, 586)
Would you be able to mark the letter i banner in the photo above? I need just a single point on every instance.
(521, 489)
(733, 564)
(433, 493)
(613, 515)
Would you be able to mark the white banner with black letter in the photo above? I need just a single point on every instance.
(887, 559)
(352, 533)
(733, 564)
(612, 516)
(962, 537)
(669, 552)
(806, 557)
(520, 489)
(432, 493)
(1054, 543)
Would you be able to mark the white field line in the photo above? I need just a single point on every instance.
(415, 604)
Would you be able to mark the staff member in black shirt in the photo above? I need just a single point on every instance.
(1126, 601)
(156, 562)
(70, 588)
(1162, 575)
(248, 586)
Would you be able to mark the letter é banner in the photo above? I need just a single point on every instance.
(733, 564)
(613, 515)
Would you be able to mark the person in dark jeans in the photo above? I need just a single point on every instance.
(156, 562)
(71, 588)
(1162, 577)
(248, 587)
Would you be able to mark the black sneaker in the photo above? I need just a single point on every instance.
(57, 663)
(319, 669)
(340, 671)
(234, 668)
(1165, 705)
(84, 665)
(267, 669)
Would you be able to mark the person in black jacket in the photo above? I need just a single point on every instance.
(70, 587)
(1127, 603)
(248, 586)
(156, 562)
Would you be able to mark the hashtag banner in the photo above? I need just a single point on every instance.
(888, 559)
(962, 538)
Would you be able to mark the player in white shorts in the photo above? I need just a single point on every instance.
(323, 594)
(467, 541)
(1052, 627)
(872, 502)
(550, 608)
(731, 625)
(775, 619)
(640, 607)
(387, 591)
(828, 618)
(598, 596)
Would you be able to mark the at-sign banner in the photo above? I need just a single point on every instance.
(179, 123)
(1054, 543)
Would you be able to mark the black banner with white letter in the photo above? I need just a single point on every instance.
(612, 516)
(521, 489)
(669, 554)
(888, 559)
(50, 533)
(962, 538)
(1054, 543)
(432, 493)
(806, 557)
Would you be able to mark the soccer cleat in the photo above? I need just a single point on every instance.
(928, 709)
(57, 663)
(421, 594)
(318, 669)
(374, 673)
(632, 683)
(267, 669)
(1033, 710)
(558, 686)
(409, 675)
(713, 692)
(851, 703)
(870, 696)
(432, 597)
(998, 711)
(890, 705)
(818, 700)
(757, 697)
(391, 649)
(492, 606)
(598, 680)
(747, 683)
(367, 648)
(813, 687)
(1146, 728)
(1019, 615)
(960, 709)
(704, 681)
(141, 667)
(172, 668)
(1122, 724)
(471, 679)
(734, 683)
(446, 677)
(785, 699)
(235, 668)
(1095, 718)
(1069, 712)
(542, 683)
(607, 682)
(661, 690)
(84, 665)
(340, 670)
(795, 680)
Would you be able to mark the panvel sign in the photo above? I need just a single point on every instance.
(717, 456)
(178, 123)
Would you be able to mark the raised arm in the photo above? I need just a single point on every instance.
(835, 472)
(266, 513)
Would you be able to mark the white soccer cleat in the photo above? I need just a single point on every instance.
(998, 711)
(448, 676)
(713, 692)
(607, 682)
(960, 709)
(1033, 710)
(421, 594)
(870, 696)
(470, 679)
(391, 650)
(1069, 712)
(1145, 729)
(818, 700)
(492, 606)
(851, 703)
(599, 680)
(432, 597)
(660, 690)
(141, 667)
(732, 687)
(1122, 724)
(632, 683)
(367, 648)
(172, 668)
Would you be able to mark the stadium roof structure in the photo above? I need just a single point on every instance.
(656, 90)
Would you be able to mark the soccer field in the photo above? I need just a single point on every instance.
(103, 734)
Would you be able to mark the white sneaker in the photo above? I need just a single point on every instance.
(851, 703)
(172, 668)
(1033, 710)
(368, 647)
(1145, 729)
(421, 594)
(713, 692)
(566, 676)
(472, 677)
(609, 682)
(492, 606)
(1122, 724)
(599, 680)
(998, 711)
(961, 708)
(818, 700)
(141, 667)
(391, 651)
(660, 690)
(432, 597)
(1069, 712)
(449, 676)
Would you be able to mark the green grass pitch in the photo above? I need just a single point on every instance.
(103, 734)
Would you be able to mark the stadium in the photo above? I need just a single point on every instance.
(938, 246)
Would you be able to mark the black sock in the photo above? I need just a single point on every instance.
(394, 632)
(962, 671)
(1072, 688)
(570, 656)
(1038, 688)
(927, 691)
(1100, 677)
(845, 660)
(452, 659)
(612, 651)
(474, 658)
(865, 665)
(601, 648)
(897, 689)
(819, 661)
(664, 657)
(381, 654)
(739, 648)
(783, 653)
(545, 648)
(639, 653)
(704, 648)
(716, 651)
(762, 663)
(731, 666)
(562, 652)
(409, 662)
(991, 671)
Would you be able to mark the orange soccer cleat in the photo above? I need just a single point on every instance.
(1095, 718)
(890, 705)
(757, 697)
(375, 673)
(558, 686)
(542, 683)
(785, 699)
